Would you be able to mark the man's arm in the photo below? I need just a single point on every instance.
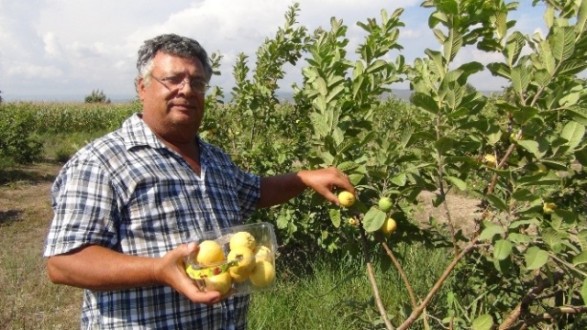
(281, 188)
(98, 268)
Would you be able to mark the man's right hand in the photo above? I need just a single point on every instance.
(170, 270)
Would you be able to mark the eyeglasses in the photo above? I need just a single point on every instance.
(176, 83)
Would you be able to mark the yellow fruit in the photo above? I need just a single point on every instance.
(346, 199)
(353, 222)
(385, 204)
(548, 208)
(243, 238)
(388, 227)
(221, 283)
(245, 263)
(263, 274)
(490, 160)
(542, 169)
(263, 253)
(210, 253)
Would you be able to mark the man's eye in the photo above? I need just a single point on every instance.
(173, 80)
(198, 84)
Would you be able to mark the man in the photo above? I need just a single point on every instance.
(128, 205)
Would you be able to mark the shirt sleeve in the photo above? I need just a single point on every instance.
(84, 209)
(249, 190)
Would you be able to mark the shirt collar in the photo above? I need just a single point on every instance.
(136, 133)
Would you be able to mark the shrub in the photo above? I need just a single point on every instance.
(97, 96)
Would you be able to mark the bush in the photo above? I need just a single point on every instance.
(97, 96)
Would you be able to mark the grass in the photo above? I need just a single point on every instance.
(336, 294)
(29, 300)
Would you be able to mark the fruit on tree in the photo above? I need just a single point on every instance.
(221, 283)
(346, 199)
(548, 207)
(210, 253)
(389, 226)
(353, 222)
(385, 204)
(490, 160)
(263, 274)
(263, 253)
(243, 238)
(244, 263)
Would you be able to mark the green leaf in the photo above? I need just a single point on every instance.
(562, 42)
(552, 238)
(374, 219)
(581, 156)
(580, 25)
(462, 185)
(523, 114)
(335, 217)
(399, 179)
(321, 86)
(535, 258)
(514, 47)
(520, 79)
(502, 249)
(483, 322)
(584, 286)
(524, 195)
(491, 229)
(519, 238)
(580, 258)
(347, 166)
(452, 45)
(533, 147)
(497, 202)
(425, 102)
(573, 132)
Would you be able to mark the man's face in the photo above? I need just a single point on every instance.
(171, 104)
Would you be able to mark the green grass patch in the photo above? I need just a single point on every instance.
(336, 294)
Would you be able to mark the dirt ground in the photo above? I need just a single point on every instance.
(462, 211)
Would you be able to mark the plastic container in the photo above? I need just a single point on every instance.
(235, 260)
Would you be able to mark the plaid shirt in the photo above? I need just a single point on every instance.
(129, 192)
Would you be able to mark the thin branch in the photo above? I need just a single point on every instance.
(515, 314)
(371, 275)
(401, 272)
(418, 311)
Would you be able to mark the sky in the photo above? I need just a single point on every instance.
(62, 50)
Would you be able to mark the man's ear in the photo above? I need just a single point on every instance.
(140, 87)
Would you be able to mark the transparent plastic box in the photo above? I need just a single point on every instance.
(235, 260)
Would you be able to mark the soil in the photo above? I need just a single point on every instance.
(462, 211)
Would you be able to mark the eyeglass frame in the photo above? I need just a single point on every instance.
(178, 86)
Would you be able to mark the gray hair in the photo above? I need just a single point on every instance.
(174, 45)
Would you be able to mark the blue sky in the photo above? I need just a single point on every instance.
(63, 49)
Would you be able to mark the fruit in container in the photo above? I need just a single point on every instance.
(242, 262)
(221, 283)
(243, 238)
(263, 253)
(209, 253)
(263, 274)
